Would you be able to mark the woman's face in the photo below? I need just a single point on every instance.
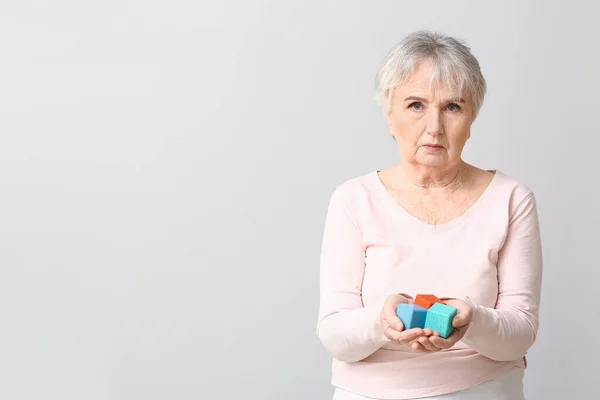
(430, 123)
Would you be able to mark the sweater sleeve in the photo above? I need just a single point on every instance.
(506, 332)
(349, 330)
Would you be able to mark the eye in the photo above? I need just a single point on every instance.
(453, 107)
(416, 106)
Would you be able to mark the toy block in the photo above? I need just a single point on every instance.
(411, 315)
(439, 319)
(427, 300)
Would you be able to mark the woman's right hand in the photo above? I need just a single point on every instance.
(393, 327)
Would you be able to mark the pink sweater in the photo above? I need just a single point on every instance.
(491, 256)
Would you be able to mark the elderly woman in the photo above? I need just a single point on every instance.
(432, 224)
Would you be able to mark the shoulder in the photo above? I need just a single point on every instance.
(356, 186)
(512, 191)
(353, 193)
(517, 189)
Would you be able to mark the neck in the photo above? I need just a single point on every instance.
(439, 179)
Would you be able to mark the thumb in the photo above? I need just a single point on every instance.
(462, 318)
(405, 298)
(389, 313)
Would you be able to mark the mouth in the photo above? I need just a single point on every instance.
(432, 148)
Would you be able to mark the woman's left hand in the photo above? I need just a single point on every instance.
(460, 323)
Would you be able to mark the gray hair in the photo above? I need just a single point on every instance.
(454, 66)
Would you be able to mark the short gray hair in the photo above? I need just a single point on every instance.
(454, 66)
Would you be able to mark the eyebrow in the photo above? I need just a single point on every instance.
(452, 100)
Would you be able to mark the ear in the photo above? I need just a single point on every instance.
(388, 106)
(390, 119)
(390, 130)
(388, 116)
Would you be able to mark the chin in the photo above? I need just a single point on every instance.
(432, 161)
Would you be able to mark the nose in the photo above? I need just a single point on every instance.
(434, 122)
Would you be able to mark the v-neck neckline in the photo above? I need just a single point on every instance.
(460, 219)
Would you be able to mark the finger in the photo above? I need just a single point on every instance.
(409, 297)
(428, 332)
(390, 332)
(464, 314)
(389, 315)
(441, 343)
(461, 319)
(394, 322)
(424, 341)
(450, 341)
(410, 334)
(416, 346)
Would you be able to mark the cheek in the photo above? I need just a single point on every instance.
(456, 146)
(407, 128)
(458, 133)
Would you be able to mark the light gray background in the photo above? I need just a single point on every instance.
(166, 168)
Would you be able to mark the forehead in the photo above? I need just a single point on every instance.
(424, 82)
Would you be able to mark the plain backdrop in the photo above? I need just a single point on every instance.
(166, 168)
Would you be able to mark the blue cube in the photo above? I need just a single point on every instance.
(411, 315)
(439, 319)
